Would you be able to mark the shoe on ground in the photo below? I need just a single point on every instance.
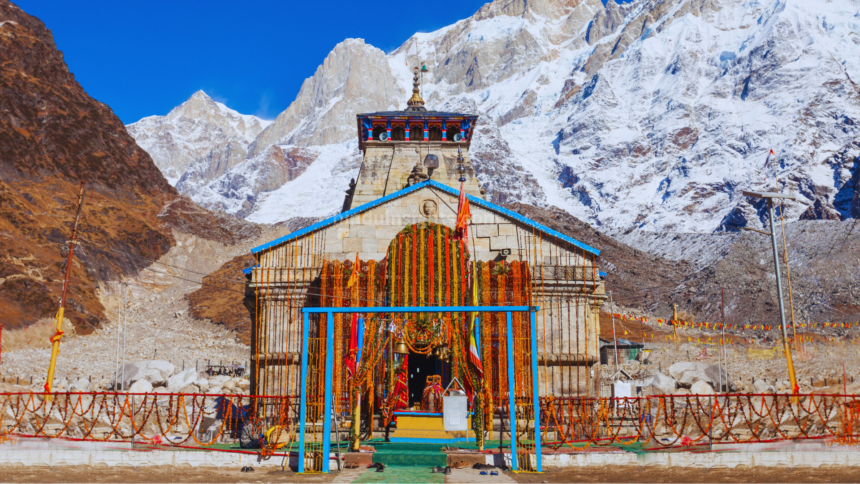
(447, 471)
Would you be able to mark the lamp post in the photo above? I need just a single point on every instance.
(769, 198)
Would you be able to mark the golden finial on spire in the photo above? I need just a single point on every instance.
(415, 103)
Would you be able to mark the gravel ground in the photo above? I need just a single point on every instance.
(817, 363)
(158, 325)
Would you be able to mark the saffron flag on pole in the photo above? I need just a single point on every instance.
(352, 351)
(463, 215)
(353, 278)
(474, 353)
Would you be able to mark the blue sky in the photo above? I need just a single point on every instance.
(144, 58)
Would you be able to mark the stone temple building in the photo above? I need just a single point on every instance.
(395, 244)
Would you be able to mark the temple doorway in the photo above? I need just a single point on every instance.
(420, 367)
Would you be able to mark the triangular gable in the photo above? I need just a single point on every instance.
(426, 184)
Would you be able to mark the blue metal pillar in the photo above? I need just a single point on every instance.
(329, 370)
(512, 389)
(535, 391)
(303, 390)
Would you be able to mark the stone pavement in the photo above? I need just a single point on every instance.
(416, 475)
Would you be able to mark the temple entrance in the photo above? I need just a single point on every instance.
(420, 367)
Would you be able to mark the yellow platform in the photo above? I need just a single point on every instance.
(413, 426)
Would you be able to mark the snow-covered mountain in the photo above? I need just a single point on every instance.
(652, 114)
(198, 140)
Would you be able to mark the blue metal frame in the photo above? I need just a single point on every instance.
(330, 312)
(535, 392)
(434, 184)
(512, 390)
(303, 407)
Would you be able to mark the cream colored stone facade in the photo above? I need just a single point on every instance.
(387, 166)
(565, 283)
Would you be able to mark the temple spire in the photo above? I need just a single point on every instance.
(415, 103)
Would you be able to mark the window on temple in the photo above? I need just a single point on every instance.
(435, 133)
(377, 131)
(453, 130)
(398, 133)
(416, 133)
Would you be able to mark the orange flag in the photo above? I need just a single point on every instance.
(463, 215)
(353, 278)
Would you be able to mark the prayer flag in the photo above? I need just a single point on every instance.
(474, 353)
(352, 351)
(353, 278)
(463, 215)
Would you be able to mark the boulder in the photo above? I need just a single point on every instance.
(202, 384)
(218, 380)
(665, 385)
(686, 373)
(140, 386)
(761, 386)
(190, 389)
(183, 378)
(701, 388)
(155, 372)
(81, 385)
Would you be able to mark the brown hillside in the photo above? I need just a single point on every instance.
(52, 136)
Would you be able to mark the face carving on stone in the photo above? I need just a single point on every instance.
(428, 208)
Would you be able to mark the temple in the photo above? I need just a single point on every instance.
(421, 291)
(396, 144)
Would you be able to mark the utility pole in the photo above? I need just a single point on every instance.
(614, 338)
(55, 340)
(723, 338)
(769, 197)
(675, 322)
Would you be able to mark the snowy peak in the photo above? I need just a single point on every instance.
(353, 78)
(200, 108)
(199, 133)
(650, 115)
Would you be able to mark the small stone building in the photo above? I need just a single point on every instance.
(398, 223)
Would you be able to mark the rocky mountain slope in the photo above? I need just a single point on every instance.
(652, 114)
(53, 136)
(198, 140)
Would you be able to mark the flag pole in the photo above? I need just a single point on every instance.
(55, 340)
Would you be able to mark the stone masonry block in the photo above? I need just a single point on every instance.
(335, 246)
(481, 243)
(507, 229)
(352, 244)
(484, 255)
(369, 244)
(499, 243)
(480, 216)
(487, 230)
(342, 232)
(362, 231)
(387, 232)
(382, 245)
